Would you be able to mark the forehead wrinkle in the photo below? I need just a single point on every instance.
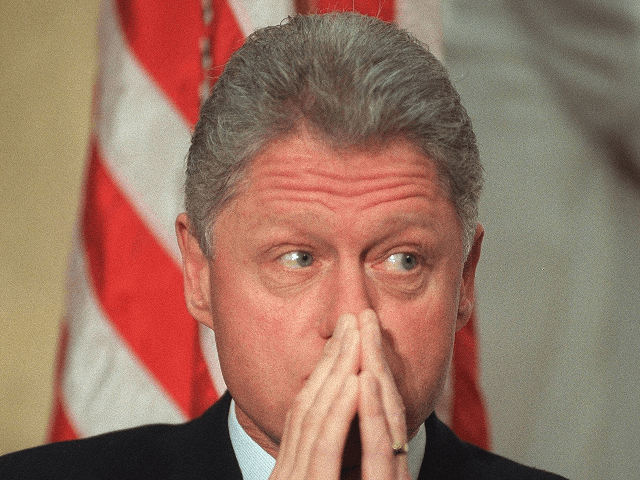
(335, 200)
(396, 222)
(347, 169)
(304, 223)
(356, 185)
(295, 218)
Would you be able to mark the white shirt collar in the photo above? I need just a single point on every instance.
(416, 451)
(256, 464)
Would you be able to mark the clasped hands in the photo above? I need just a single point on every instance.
(352, 377)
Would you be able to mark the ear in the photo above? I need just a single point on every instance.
(195, 270)
(467, 287)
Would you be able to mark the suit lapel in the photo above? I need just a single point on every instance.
(445, 456)
(214, 457)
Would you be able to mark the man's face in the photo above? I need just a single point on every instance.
(315, 233)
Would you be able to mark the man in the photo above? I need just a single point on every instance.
(331, 242)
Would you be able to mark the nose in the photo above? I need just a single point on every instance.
(348, 290)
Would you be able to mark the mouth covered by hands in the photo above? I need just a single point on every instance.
(352, 377)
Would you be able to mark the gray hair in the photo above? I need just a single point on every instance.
(355, 80)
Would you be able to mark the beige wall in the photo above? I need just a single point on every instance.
(47, 66)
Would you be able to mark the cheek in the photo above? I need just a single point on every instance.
(242, 317)
(258, 334)
(420, 346)
(252, 346)
(419, 341)
(265, 344)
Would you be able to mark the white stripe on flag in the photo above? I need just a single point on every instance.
(144, 139)
(254, 14)
(210, 353)
(104, 385)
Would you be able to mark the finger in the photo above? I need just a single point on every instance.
(331, 352)
(289, 441)
(327, 363)
(311, 411)
(317, 414)
(319, 451)
(374, 362)
(326, 460)
(378, 459)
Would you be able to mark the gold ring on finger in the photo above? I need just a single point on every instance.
(400, 448)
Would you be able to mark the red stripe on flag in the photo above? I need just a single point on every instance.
(165, 38)
(60, 427)
(140, 289)
(384, 9)
(469, 418)
(203, 394)
(225, 35)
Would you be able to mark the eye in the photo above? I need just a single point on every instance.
(296, 259)
(401, 261)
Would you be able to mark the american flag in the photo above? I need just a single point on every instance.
(129, 352)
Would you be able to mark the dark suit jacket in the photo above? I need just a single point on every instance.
(201, 449)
